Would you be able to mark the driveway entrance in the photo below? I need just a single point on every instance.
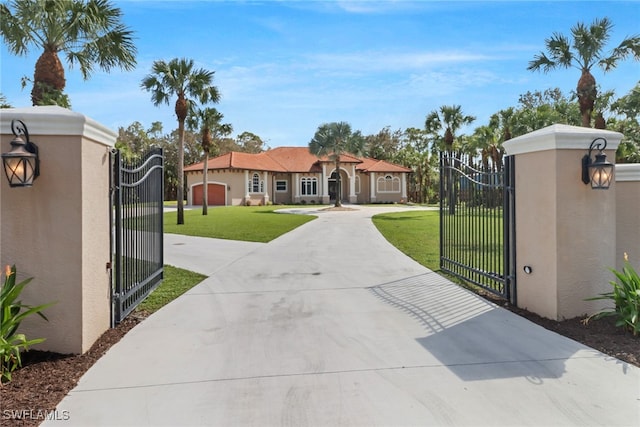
(330, 325)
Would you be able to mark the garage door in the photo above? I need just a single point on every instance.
(215, 195)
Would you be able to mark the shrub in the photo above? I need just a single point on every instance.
(12, 313)
(626, 297)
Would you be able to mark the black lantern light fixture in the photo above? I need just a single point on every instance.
(21, 164)
(597, 172)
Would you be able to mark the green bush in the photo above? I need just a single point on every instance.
(12, 313)
(626, 297)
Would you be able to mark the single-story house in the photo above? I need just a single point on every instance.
(294, 175)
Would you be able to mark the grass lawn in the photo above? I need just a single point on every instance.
(176, 282)
(247, 223)
(416, 233)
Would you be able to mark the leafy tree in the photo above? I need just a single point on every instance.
(384, 145)
(3, 102)
(333, 140)
(627, 109)
(179, 78)
(135, 140)
(585, 51)
(414, 153)
(540, 109)
(250, 143)
(208, 120)
(88, 32)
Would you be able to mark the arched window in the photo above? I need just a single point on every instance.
(309, 186)
(256, 185)
(388, 184)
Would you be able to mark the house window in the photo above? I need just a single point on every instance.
(281, 186)
(256, 185)
(388, 184)
(357, 184)
(309, 186)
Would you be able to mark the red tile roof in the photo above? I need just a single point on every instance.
(290, 159)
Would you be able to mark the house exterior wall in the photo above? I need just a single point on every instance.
(238, 193)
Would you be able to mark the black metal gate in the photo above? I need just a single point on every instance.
(477, 222)
(137, 230)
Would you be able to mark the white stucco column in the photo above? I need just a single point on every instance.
(404, 186)
(265, 177)
(352, 185)
(247, 196)
(372, 186)
(325, 184)
(296, 187)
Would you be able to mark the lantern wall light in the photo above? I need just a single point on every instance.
(21, 164)
(598, 172)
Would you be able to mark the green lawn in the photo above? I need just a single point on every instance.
(247, 223)
(415, 233)
(176, 282)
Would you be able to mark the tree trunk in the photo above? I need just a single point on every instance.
(181, 113)
(338, 184)
(48, 75)
(587, 93)
(205, 184)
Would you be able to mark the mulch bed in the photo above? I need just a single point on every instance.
(47, 377)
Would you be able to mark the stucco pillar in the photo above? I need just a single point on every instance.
(628, 214)
(404, 186)
(372, 185)
(247, 196)
(565, 230)
(266, 186)
(58, 230)
(296, 187)
(352, 185)
(325, 185)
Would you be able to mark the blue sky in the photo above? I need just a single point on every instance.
(285, 67)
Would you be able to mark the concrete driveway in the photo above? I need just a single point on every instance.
(330, 325)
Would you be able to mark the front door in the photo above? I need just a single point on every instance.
(333, 186)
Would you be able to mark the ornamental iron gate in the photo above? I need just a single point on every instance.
(137, 230)
(477, 222)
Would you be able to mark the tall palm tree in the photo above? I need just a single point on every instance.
(583, 53)
(89, 33)
(333, 140)
(209, 121)
(451, 119)
(178, 78)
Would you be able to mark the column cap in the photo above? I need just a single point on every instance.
(55, 120)
(560, 137)
(628, 172)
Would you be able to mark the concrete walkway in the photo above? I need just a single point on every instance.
(330, 325)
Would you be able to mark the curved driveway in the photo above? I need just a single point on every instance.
(330, 325)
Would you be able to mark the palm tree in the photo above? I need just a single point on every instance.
(208, 120)
(583, 53)
(89, 33)
(178, 77)
(451, 118)
(333, 140)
